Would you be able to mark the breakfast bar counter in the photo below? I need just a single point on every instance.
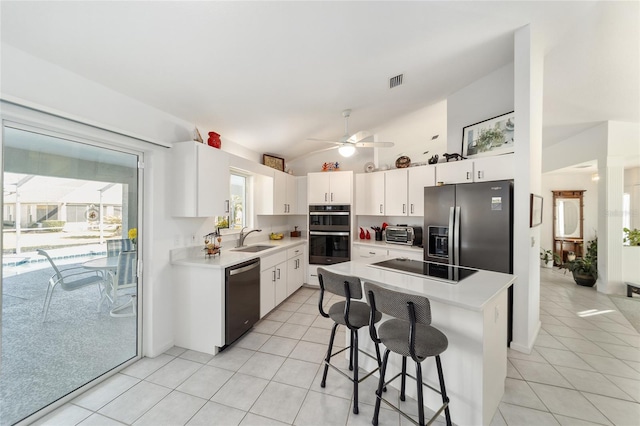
(472, 313)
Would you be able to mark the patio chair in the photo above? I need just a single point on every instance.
(125, 277)
(114, 247)
(69, 279)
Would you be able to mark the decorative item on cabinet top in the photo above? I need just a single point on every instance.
(273, 162)
(403, 162)
(489, 137)
(196, 135)
(331, 167)
(214, 140)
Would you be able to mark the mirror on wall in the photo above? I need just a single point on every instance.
(568, 223)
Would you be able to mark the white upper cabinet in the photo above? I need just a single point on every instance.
(395, 191)
(200, 180)
(285, 194)
(476, 170)
(329, 187)
(398, 192)
(455, 172)
(370, 194)
(418, 178)
(499, 167)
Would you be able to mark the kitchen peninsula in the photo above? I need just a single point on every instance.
(472, 313)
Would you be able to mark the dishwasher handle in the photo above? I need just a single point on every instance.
(246, 268)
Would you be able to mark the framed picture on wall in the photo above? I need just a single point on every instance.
(489, 137)
(535, 210)
(273, 162)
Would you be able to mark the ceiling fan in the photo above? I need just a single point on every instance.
(348, 143)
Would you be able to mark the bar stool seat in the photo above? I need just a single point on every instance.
(429, 340)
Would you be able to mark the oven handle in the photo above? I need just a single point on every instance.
(339, 234)
(328, 213)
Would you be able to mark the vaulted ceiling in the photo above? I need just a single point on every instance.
(272, 74)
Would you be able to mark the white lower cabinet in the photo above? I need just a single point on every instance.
(364, 252)
(273, 281)
(281, 274)
(295, 269)
(198, 303)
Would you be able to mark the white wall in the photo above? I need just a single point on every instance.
(412, 135)
(486, 98)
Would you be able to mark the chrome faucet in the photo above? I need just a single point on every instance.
(243, 236)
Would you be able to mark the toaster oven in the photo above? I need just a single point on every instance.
(408, 235)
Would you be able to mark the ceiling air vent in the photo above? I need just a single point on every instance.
(395, 81)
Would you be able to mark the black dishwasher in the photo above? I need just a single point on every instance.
(242, 298)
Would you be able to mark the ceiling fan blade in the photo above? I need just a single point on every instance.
(374, 144)
(357, 137)
(324, 140)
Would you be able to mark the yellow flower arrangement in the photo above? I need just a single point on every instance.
(133, 234)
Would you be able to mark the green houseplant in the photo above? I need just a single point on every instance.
(548, 257)
(632, 236)
(585, 268)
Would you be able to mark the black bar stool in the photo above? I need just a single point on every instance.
(409, 333)
(352, 314)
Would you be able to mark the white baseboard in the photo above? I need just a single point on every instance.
(526, 349)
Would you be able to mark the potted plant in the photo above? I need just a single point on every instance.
(585, 269)
(548, 257)
(631, 236)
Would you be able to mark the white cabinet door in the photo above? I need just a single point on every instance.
(330, 187)
(267, 291)
(318, 188)
(281, 283)
(280, 182)
(418, 178)
(370, 194)
(340, 185)
(455, 172)
(292, 195)
(494, 168)
(395, 192)
(295, 274)
(201, 180)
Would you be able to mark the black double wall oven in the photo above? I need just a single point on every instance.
(329, 234)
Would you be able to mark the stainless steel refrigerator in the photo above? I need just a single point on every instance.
(471, 225)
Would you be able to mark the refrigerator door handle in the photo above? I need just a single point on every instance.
(451, 236)
(456, 236)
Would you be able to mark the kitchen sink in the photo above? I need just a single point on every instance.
(252, 249)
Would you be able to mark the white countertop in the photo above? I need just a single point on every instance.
(195, 256)
(472, 293)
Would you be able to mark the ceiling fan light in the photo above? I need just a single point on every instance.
(347, 150)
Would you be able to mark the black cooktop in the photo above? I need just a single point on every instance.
(438, 271)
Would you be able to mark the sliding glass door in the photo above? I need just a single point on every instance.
(69, 262)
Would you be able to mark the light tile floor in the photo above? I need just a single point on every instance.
(584, 369)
